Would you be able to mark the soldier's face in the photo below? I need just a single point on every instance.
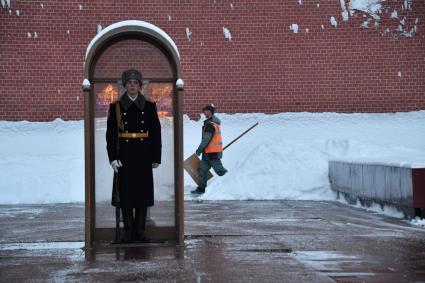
(133, 87)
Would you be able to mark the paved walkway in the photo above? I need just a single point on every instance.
(237, 241)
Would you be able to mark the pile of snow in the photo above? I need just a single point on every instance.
(378, 208)
(285, 157)
(418, 222)
(42, 162)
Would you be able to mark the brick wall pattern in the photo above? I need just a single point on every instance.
(240, 55)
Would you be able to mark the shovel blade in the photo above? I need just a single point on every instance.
(191, 165)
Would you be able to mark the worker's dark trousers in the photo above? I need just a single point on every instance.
(205, 166)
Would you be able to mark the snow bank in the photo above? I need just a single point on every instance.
(42, 162)
(285, 157)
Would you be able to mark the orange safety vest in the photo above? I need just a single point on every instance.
(216, 144)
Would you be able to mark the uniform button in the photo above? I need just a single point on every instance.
(141, 131)
(141, 139)
(126, 140)
(143, 113)
(125, 123)
(143, 122)
(126, 131)
(125, 113)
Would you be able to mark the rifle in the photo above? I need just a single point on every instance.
(117, 214)
(116, 178)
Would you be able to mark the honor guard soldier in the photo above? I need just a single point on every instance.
(211, 148)
(133, 138)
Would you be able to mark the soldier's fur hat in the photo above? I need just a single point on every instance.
(131, 74)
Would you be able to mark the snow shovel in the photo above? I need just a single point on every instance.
(192, 163)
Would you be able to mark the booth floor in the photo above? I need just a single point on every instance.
(228, 241)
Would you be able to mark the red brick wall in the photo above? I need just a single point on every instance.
(264, 68)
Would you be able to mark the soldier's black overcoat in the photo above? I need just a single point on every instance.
(135, 177)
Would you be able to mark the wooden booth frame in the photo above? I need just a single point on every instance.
(112, 34)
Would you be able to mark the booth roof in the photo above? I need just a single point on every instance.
(132, 23)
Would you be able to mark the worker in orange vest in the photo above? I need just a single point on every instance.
(211, 148)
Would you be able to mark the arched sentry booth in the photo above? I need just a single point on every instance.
(143, 46)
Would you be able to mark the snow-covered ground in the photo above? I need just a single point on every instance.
(285, 157)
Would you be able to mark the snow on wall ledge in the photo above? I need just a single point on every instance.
(285, 157)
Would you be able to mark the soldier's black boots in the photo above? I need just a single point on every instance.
(198, 191)
(134, 226)
(127, 215)
(140, 223)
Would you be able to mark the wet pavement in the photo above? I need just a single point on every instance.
(229, 241)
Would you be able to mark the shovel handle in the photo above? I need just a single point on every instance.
(253, 126)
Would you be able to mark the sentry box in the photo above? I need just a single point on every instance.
(143, 46)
